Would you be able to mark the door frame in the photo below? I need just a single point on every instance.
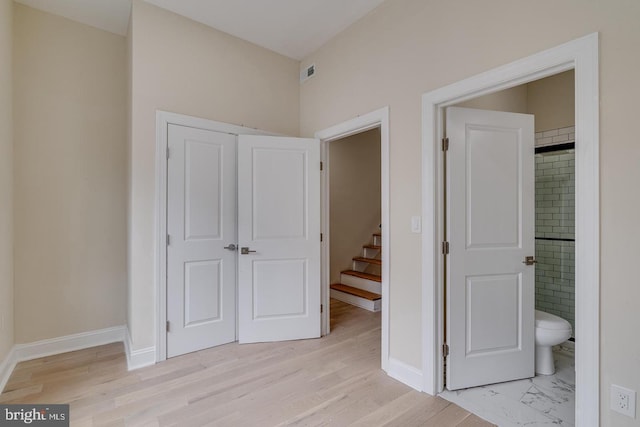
(163, 120)
(375, 119)
(582, 56)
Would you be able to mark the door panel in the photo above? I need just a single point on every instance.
(493, 184)
(272, 280)
(491, 330)
(277, 173)
(490, 291)
(279, 221)
(201, 220)
(203, 291)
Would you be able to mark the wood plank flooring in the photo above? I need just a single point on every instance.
(334, 380)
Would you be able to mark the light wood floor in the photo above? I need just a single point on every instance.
(334, 380)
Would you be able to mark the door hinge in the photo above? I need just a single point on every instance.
(168, 155)
(445, 350)
(445, 144)
(321, 165)
(168, 240)
(321, 308)
(445, 248)
(321, 237)
(168, 326)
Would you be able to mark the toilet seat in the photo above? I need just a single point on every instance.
(549, 321)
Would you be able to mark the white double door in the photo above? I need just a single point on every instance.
(243, 251)
(490, 229)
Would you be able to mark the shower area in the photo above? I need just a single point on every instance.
(555, 223)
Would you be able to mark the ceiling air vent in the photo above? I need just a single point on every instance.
(307, 73)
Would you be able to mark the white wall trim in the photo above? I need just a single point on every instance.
(163, 120)
(23, 352)
(137, 359)
(406, 374)
(6, 368)
(378, 118)
(582, 55)
(68, 343)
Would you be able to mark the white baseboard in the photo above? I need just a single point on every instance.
(137, 359)
(404, 373)
(68, 343)
(6, 368)
(23, 352)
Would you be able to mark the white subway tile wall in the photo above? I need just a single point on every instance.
(555, 219)
(556, 136)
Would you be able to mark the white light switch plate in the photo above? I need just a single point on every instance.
(416, 226)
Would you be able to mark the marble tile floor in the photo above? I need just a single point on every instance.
(545, 400)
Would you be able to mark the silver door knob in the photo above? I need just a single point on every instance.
(231, 247)
(529, 260)
(245, 251)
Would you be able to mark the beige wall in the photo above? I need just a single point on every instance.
(513, 100)
(70, 219)
(409, 47)
(185, 67)
(354, 190)
(552, 101)
(6, 180)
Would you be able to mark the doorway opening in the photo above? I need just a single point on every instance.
(354, 236)
(376, 125)
(580, 55)
(549, 284)
(354, 239)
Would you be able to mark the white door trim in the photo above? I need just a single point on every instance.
(378, 118)
(163, 120)
(582, 55)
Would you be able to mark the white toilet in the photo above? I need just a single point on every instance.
(550, 330)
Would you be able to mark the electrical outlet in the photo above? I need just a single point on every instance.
(623, 400)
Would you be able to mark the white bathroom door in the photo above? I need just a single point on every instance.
(279, 229)
(490, 291)
(201, 222)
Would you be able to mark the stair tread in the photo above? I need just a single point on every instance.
(377, 234)
(361, 275)
(372, 246)
(371, 296)
(369, 260)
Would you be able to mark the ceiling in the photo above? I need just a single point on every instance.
(294, 28)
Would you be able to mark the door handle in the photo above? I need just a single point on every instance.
(529, 260)
(245, 251)
(231, 247)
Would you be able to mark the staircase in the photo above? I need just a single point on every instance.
(362, 285)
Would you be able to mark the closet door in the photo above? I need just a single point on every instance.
(279, 238)
(201, 223)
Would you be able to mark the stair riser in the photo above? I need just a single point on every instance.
(377, 240)
(360, 266)
(360, 283)
(355, 300)
(374, 269)
(370, 253)
(365, 267)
